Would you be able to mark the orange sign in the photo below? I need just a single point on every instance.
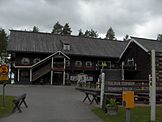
(128, 99)
(4, 69)
(4, 78)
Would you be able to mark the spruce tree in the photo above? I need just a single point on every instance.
(66, 30)
(110, 34)
(3, 43)
(57, 28)
(80, 33)
(35, 29)
(159, 37)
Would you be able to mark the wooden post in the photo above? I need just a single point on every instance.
(123, 70)
(153, 88)
(18, 75)
(52, 71)
(30, 75)
(102, 89)
(64, 71)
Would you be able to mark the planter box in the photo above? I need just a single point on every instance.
(112, 110)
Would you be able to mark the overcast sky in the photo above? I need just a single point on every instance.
(142, 18)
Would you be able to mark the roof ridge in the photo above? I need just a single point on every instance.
(66, 35)
(146, 39)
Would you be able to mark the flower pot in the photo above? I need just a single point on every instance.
(112, 110)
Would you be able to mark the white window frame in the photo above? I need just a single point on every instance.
(25, 61)
(67, 63)
(89, 62)
(66, 46)
(130, 62)
(78, 62)
(36, 60)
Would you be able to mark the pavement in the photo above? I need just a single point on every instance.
(50, 104)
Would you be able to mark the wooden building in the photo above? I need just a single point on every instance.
(136, 58)
(57, 59)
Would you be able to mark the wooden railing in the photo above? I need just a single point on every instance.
(41, 71)
(114, 88)
(133, 85)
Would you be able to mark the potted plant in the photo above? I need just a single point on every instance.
(112, 106)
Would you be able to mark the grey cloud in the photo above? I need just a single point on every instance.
(123, 15)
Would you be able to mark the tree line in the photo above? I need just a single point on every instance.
(66, 30)
(63, 30)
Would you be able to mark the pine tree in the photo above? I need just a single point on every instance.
(35, 29)
(66, 30)
(110, 34)
(159, 37)
(57, 28)
(93, 34)
(3, 42)
(80, 33)
(126, 38)
(87, 33)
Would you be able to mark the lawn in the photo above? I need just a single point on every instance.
(138, 114)
(6, 110)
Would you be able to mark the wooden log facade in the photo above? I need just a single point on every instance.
(159, 67)
(137, 59)
(58, 59)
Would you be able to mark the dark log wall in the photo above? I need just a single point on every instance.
(141, 58)
(71, 70)
(159, 67)
(31, 56)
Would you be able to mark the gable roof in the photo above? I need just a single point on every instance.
(146, 44)
(149, 44)
(23, 41)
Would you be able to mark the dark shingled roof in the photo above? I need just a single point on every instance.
(149, 44)
(23, 41)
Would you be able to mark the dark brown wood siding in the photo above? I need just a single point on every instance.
(142, 60)
(31, 56)
(159, 67)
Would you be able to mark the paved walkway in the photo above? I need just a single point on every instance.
(51, 104)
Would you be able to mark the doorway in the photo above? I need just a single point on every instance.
(57, 78)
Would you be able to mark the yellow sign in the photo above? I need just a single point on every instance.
(4, 78)
(4, 69)
(128, 99)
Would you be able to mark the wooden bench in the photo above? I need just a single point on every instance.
(95, 95)
(18, 102)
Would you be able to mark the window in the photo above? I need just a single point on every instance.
(88, 64)
(78, 63)
(36, 60)
(25, 61)
(66, 47)
(130, 62)
(67, 63)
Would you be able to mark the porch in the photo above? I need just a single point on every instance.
(50, 70)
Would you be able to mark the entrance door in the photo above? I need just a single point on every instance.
(57, 78)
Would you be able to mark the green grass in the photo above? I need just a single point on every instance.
(6, 110)
(138, 114)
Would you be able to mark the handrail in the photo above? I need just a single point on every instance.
(45, 59)
(45, 69)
